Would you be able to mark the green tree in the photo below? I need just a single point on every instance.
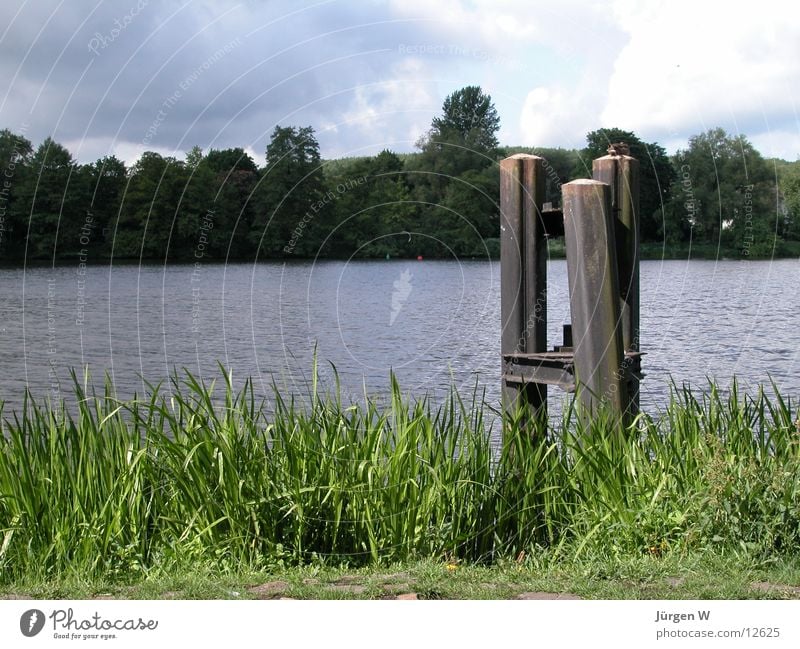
(194, 231)
(54, 194)
(106, 179)
(460, 145)
(292, 206)
(14, 148)
(235, 180)
(469, 115)
(230, 160)
(462, 138)
(15, 158)
(789, 175)
(150, 207)
(373, 208)
(656, 175)
(354, 222)
(469, 213)
(391, 200)
(726, 193)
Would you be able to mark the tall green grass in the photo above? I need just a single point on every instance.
(203, 474)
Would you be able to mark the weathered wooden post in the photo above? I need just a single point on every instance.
(523, 273)
(621, 172)
(600, 355)
(594, 295)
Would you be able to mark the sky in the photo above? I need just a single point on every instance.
(127, 76)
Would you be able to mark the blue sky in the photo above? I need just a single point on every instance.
(122, 77)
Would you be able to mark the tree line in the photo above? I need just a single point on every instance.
(441, 201)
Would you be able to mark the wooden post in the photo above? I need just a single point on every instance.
(621, 173)
(523, 270)
(594, 295)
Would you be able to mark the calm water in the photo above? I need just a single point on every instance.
(431, 322)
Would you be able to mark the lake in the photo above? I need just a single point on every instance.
(432, 322)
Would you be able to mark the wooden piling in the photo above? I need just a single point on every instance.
(621, 173)
(592, 270)
(523, 270)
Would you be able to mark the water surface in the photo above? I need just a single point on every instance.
(431, 322)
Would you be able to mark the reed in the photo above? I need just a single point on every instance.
(203, 474)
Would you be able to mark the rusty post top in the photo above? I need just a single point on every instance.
(620, 148)
(617, 151)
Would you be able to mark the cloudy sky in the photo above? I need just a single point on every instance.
(121, 77)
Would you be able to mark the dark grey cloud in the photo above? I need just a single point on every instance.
(130, 75)
(169, 75)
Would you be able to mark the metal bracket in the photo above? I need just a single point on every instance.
(558, 368)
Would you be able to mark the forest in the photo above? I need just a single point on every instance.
(718, 193)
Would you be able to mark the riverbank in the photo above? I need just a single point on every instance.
(686, 251)
(662, 251)
(652, 250)
(209, 482)
(695, 576)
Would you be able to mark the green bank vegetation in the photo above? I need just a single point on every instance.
(205, 479)
(700, 575)
(719, 194)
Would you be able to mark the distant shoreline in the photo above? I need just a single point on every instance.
(650, 251)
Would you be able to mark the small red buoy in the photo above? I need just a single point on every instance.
(419, 257)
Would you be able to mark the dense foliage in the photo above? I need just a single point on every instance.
(440, 202)
(189, 478)
(655, 180)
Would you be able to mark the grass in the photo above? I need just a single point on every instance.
(211, 483)
(694, 576)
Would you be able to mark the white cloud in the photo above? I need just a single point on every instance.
(689, 66)
(492, 22)
(550, 118)
(554, 69)
(406, 97)
(778, 144)
(497, 25)
(90, 149)
(258, 158)
(130, 152)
